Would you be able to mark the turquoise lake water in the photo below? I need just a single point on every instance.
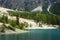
(34, 34)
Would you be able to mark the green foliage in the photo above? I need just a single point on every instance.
(15, 13)
(2, 29)
(0, 19)
(17, 20)
(11, 28)
(22, 25)
(12, 23)
(58, 20)
(43, 17)
(26, 24)
(4, 19)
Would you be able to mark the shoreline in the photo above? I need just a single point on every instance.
(17, 31)
(23, 31)
(42, 28)
(13, 33)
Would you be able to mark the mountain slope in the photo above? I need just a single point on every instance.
(55, 8)
(27, 4)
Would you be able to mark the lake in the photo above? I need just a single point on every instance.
(34, 34)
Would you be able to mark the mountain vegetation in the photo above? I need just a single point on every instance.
(12, 24)
(38, 17)
(43, 17)
(25, 8)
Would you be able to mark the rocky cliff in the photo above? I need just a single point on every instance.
(27, 4)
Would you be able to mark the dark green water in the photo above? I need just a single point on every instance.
(34, 34)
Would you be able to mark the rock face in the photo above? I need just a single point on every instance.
(27, 4)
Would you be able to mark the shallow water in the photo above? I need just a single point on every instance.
(34, 34)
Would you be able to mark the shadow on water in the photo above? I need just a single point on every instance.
(34, 34)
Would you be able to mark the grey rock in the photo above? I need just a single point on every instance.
(27, 4)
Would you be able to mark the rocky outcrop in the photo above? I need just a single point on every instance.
(27, 4)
